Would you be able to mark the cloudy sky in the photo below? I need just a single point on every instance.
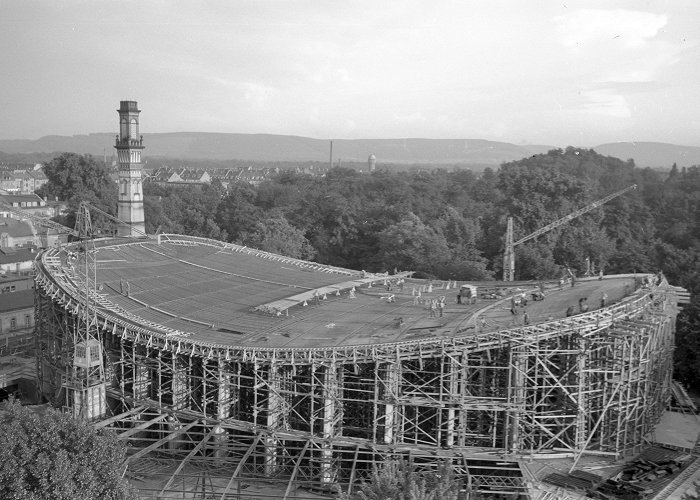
(557, 73)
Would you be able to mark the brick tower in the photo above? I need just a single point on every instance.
(129, 146)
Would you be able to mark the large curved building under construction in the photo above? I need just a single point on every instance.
(221, 365)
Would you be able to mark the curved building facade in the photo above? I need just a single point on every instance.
(296, 370)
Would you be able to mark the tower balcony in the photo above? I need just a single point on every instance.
(128, 142)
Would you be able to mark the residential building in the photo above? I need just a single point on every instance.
(17, 233)
(30, 203)
(17, 322)
(22, 181)
(17, 263)
(168, 175)
(35, 179)
(9, 183)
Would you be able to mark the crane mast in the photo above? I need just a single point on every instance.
(509, 252)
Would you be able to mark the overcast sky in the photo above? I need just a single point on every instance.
(545, 72)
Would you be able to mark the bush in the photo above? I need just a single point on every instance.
(398, 480)
(56, 457)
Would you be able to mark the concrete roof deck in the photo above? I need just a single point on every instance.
(215, 294)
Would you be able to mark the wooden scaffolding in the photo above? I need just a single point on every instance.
(215, 420)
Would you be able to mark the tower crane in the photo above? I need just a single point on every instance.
(509, 253)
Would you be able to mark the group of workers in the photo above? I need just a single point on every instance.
(583, 305)
(436, 305)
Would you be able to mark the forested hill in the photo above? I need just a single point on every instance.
(447, 224)
(268, 147)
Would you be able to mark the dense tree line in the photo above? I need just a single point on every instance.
(75, 179)
(449, 224)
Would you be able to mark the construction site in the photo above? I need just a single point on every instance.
(222, 366)
(235, 373)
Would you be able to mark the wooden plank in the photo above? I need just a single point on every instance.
(240, 465)
(161, 442)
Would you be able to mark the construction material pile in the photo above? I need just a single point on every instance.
(578, 480)
(639, 480)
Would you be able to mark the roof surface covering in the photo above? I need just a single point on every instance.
(14, 255)
(229, 295)
(15, 228)
(22, 198)
(22, 299)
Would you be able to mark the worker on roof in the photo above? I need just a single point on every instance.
(583, 304)
(432, 307)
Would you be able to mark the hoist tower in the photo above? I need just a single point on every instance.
(84, 381)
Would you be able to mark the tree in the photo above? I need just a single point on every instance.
(580, 240)
(687, 355)
(275, 234)
(188, 210)
(399, 480)
(237, 213)
(76, 178)
(535, 261)
(465, 261)
(56, 457)
(157, 219)
(411, 244)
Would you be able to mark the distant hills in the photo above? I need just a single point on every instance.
(652, 154)
(269, 147)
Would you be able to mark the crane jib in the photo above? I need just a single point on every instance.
(509, 253)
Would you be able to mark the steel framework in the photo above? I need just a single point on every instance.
(212, 420)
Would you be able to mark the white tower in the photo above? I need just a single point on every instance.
(129, 146)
